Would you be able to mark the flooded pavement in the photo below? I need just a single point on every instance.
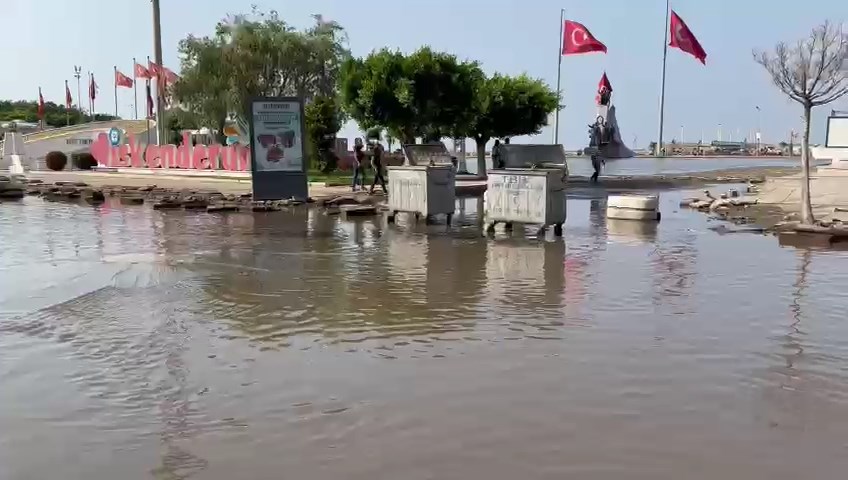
(140, 344)
(582, 166)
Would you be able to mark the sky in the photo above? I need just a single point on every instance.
(44, 39)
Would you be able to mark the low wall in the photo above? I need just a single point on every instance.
(523, 156)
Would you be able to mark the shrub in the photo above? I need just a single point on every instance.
(84, 160)
(56, 161)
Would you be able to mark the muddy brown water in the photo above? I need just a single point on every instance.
(141, 344)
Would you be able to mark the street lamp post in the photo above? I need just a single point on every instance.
(78, 74)
(157, 54)
(759, 124)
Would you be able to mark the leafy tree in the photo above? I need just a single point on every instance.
(426, 94)
(204, 84)
(813, 72)
(323, 121)
(507, 107)
(258, 54)
(177, 120)
(374, 133)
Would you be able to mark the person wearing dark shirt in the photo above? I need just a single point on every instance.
(497, 155)
(377, 164)
(358, 166)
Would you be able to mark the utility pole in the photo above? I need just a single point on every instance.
(157, 55)
(78, 74)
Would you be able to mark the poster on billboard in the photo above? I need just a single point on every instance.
(277, 150)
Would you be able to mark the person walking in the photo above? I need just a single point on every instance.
(377, 164)
(497, 155)
(358, 165)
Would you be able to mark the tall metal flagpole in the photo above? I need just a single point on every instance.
(135, 92)
(157, 55)
(559, 73)
(90, 100)
(78, 74)
(115, 79)
(659, 149)
(67, 107)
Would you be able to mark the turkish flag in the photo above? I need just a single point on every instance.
(40, 105)
(577, 39)
(604, 84)
(170, 76)
(155, 70)
(682, 38)
(604, 90)
(69, 100)
(122, 80)
(141, 72)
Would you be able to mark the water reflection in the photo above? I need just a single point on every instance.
(136, 343)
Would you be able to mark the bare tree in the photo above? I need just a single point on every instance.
(813, 72)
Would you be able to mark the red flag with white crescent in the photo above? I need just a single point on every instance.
(69, 100)
(682, 38)
(578, 39)
(604, 89)
(141, 72)
(122, 80)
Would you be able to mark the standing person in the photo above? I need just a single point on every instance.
(377, 164)
(358, 164)
(497, 155)
(596, 165)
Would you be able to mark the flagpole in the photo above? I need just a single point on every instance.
(135, 91)
(115, 80)
(157, 53)
(659, 149)
(67, 107)
(559, 74)
(90, 100)
(147, 102)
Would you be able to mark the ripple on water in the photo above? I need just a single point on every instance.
(303, 343)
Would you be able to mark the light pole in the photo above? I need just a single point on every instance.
(719, 132)
(157, 55)
(78, 74)
(759, 123)
(681, 134)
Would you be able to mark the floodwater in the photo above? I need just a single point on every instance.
(139, 344)
(665, 165)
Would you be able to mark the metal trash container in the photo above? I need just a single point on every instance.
(529, 196)
(423, 190)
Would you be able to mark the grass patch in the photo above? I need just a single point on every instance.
(332, 178)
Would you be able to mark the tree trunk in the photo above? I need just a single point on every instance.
(481, 156)
(806, 203)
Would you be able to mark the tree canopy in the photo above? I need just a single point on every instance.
(426, 94)
(812, 72)
(258, 54)
(54, 115)
(510, 106)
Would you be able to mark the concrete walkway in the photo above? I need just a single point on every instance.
(236, 183)
(828, 189)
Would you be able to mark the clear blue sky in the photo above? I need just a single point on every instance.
(44, 39)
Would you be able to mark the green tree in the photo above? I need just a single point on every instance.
(506, 107)
(258, 54)
(323, 121)
(374, 134)
(204, 84)
(426, 94)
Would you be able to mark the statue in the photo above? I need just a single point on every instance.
(604, 136)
